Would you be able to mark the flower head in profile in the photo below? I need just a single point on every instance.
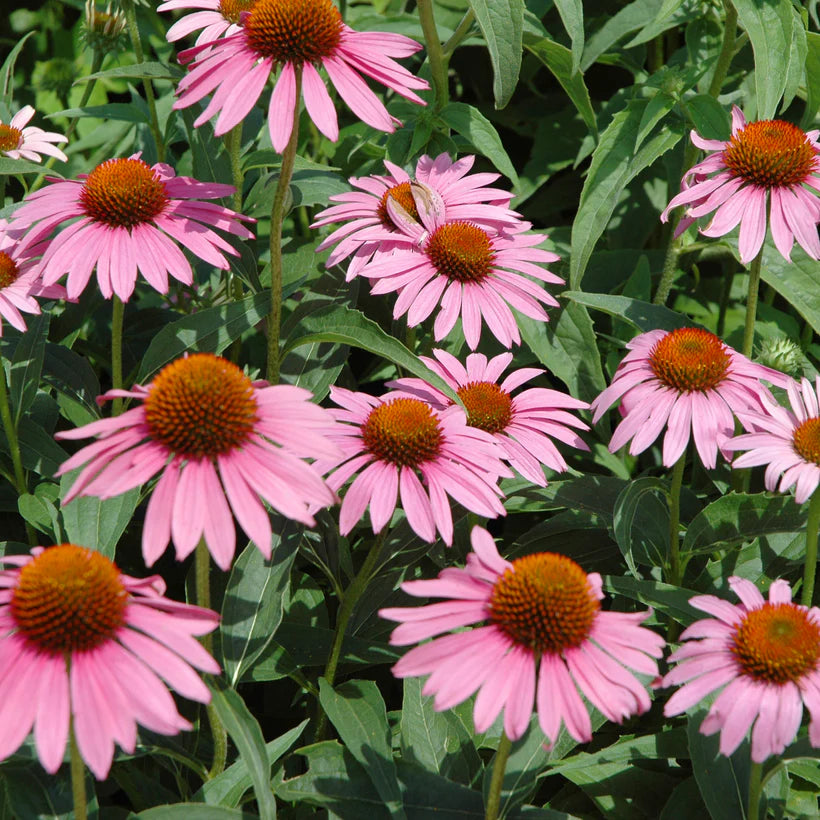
(20, 279)
(103, 31)
(523, 425)
(297, 36)
(390, 442)
(688, 382)
(215, 18)
(544, 637)
(128, 217)
(438, 182)
(19, 140)
(84, 644)
(221, 443)
(770, 163)
(786, 441)
(767, 656)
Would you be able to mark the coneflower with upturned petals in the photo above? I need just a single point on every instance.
(83, 644)
(767, 656)
(221, 443)
(130, 218)
(19, 140)
(544, 637)
(523, 425)
(458, 195)
(687, 381)
(389, 442)
(297, 36)
(767, 163)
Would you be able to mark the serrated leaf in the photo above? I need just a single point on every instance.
(502, 23)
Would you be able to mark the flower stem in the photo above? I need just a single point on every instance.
(497, 779)
(435, 53)
(202, 586)
(727, 50)
(461, 32)
(350, 598)
(277, 217)
(751, 304)
(117, 315)
(812, 526)
(675, 573)
(10, 428)
(136, 44)
(233, 284)
(755, 789)
(77, 777)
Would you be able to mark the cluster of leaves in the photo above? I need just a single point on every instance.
(585, 109)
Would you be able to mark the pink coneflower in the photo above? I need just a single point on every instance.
(222, 445)
(85, 644)
(298, 36)
(768, 161)
(788, 443)
(132, 217)
(392, 440)
(766, 654)
(688, 381)
(544, 638)
(469, 270)
(442, 183)
(523, 425)
(20, 280)
(19, 140)
(215, 17)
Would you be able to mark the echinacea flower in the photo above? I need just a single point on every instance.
(523, 425)
(83, 644)
(787, 442)
(767, 163)
(19, 140)
(20, 280)
(469, 270)
(297, 36)
(458, 194)
(687, 381)
(544, 637)
(130, 217)
(767, 656)
(215, 17)
(389, 441)
(221, 442)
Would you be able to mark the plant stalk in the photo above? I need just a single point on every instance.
(810, 568)
(77, 777)
(461, 32)
(117, 316)
(435, 53)
(755, 789)
(497, 779)
(751, 304)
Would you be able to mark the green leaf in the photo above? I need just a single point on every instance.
(7, 70)
(474, 126)
(667, 599)
(710, 118)
(74, 381)
(640, 522)
(795, 281)
(776, 44)
(338, 323)
(210, 331)
(27, 365)
(643, 316)
(559, 60)
(812, 79)
(38, 449)
(614, 165)
(527, 760)
(572, 16)
(502, 23)
(357, 711)
(12, 167)
(252, 608)
(635, 16)
(137, 71)
(96, 523)
(738, 517)
(192, 811)
(244, 730)
(113, 111)
(657, 108)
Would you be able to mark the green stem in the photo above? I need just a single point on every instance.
(117, 315)
(461, 32)
(202, 587)
(725, 294)
(812, 526)
(435, 53)
(675, 573)
(10, 428)
(136, 44)
(755, 789)
(277, 218)
(77, 777)
(497, 779)
(751, 304)
(233, 284)
(727, 50)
